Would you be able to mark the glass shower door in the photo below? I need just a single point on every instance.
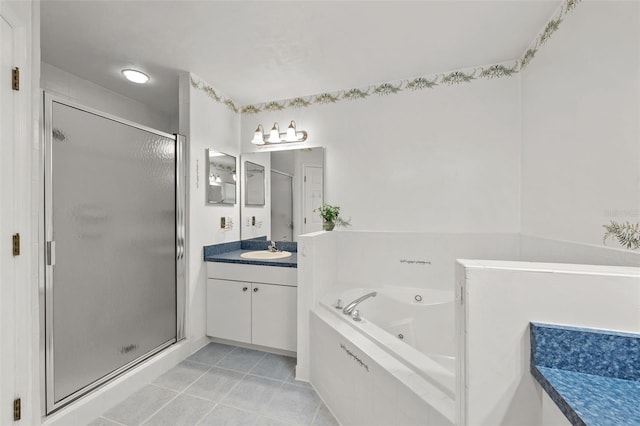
(281, 206)
(111, 250)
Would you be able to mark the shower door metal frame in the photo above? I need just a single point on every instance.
(46, 293)
(291, 177)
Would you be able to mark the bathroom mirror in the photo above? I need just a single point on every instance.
(221, 181)
(293, 188)
(254, 184)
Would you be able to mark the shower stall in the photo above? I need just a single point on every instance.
(281, 206)
(114, 247)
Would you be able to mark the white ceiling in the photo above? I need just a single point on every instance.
(268, 50)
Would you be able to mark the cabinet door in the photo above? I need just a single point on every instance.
(274, 316)
(229, 310)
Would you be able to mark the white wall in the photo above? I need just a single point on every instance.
(440, 160)
(538, 249)
(581, 139)
(500, 299)
(302, 158)
(70, 87)
(206, 124)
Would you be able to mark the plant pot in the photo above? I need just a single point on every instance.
(328, 226)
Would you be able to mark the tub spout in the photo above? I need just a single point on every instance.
(351, 306)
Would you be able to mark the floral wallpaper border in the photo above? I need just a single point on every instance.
(214, 94)
(546, 33)
(504, 69)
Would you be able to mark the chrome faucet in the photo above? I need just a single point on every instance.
(351, 306)
(272, 247)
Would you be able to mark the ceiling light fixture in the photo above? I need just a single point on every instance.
(135, 76)
(275, 137)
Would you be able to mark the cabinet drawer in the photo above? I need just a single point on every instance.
(229, 310)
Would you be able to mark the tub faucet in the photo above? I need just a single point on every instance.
(351, 306)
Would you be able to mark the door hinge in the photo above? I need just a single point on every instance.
(305, 220)
(17, 410)
(16, 244)
(305, 178)
(15, 78)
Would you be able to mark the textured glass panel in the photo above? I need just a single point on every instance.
(114, 285)
(281, 207)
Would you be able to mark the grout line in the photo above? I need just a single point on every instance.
(158, 410)
(315, 416)
(183, 391)
(207, 413)
(258, 413)
(225, 396)
(197, 362)
(112, 421)
(225, 355)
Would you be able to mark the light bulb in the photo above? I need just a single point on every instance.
(274, 134)
(258, 137)
(135, 76)
(291, 132)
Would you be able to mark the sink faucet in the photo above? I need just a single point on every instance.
(272, 247)
(351, 306)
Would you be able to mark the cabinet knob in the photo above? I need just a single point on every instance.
(245, 288)
(255, 289)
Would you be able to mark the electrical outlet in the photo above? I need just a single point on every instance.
(223, 223)
(253, 221)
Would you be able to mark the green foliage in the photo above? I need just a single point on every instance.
(627, 234)
(331, 213)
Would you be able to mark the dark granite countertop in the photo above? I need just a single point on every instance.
(230, 253)
(592, 375)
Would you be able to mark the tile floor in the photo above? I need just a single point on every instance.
(223, 385)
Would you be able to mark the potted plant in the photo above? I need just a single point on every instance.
(627, 234)
(331, 217)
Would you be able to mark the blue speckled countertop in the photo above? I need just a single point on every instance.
(230, 253)
(592, 375)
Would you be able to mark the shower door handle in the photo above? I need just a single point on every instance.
(51, 253)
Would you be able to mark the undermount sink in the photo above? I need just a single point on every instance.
(265, 255)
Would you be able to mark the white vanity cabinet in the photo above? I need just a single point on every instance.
(252, 304)
(229, 310)
(273, 316)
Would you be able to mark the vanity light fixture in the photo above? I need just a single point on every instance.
(135, 76)
(275, 137)
(258, 137)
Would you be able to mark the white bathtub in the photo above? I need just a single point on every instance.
(415, 326)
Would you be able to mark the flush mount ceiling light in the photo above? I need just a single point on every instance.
(275, 137)
(135, 76)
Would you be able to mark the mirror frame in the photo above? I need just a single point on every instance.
(208, 174)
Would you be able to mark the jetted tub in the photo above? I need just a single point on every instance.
(395, 366)
(414, 325)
